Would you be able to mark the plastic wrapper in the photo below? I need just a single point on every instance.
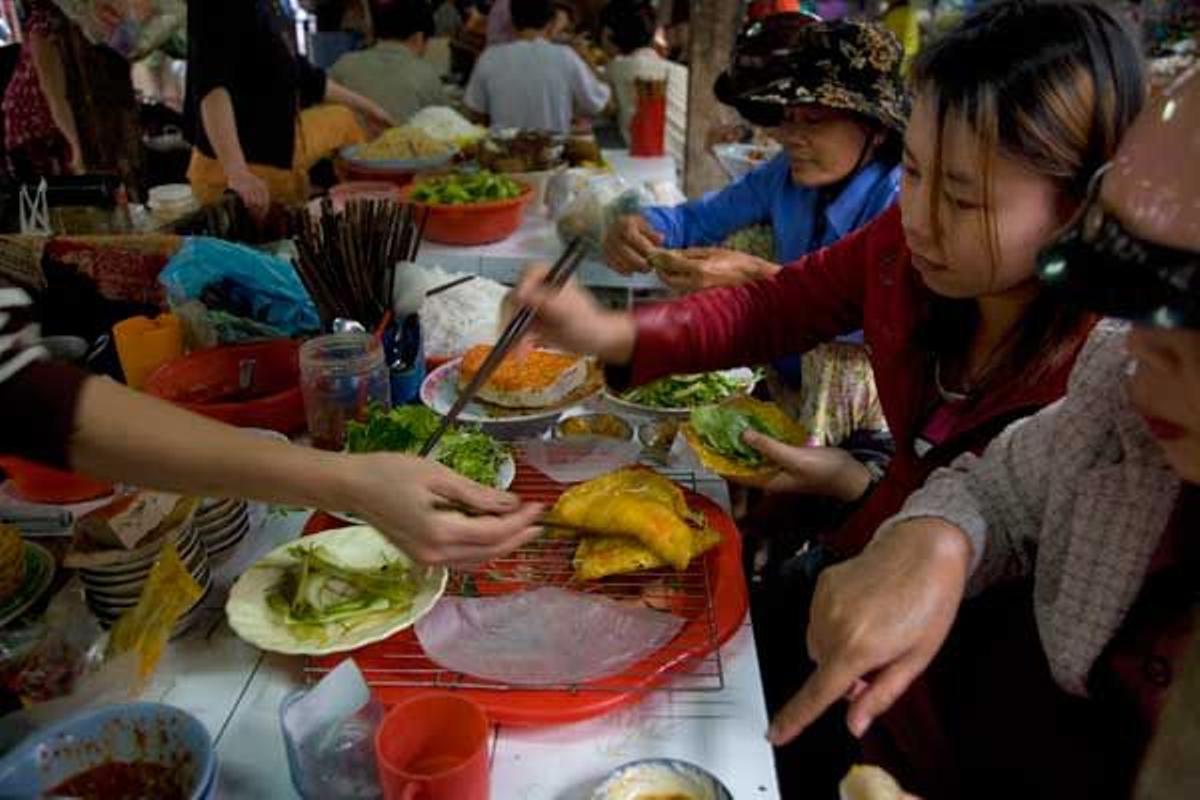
(587, 206)
(57, 668)
(75, 665)
(596, 205)
(133, 28)
(169, 593)
(329, 735)
(241, 281)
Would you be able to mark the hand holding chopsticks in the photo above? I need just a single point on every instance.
(558, 276)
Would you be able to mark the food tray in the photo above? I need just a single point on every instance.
(711, 595)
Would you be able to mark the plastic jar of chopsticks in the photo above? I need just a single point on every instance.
(341, 376)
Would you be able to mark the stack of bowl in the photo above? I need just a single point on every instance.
(115, 588)
(222, 525)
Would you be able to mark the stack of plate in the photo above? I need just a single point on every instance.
(222, 524)
(115, 588)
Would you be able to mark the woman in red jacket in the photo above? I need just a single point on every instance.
(1015, 110)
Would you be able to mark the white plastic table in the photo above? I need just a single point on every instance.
(236, 691)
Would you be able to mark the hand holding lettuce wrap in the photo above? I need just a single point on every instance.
(755, 444)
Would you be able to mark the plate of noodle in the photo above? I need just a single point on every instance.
(405, 149)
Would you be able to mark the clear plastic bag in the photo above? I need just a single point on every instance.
(329, 735)
(133, 28)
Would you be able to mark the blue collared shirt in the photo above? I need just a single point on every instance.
(803, 219)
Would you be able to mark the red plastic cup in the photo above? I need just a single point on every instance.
(433, 747)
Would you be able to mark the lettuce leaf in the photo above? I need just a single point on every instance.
(721, 429)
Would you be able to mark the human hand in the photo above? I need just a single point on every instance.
(252, 189)
(824, 471)
(629, 243)
(570, 318)
(405, 498)
(700, 268)
(876, 623)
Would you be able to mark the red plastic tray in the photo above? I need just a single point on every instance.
(729, 602)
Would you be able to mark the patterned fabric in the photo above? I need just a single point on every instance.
(19, 333)
(28, 123)
(1077, 496)
(38, 397)
(789, 60)
(837, 395)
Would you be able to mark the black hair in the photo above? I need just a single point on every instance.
(1070, 83)
(531, 15)
(402, 19)
(631, 23)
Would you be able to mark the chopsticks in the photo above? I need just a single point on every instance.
(445, 287)
(562, 271)
(347, 260)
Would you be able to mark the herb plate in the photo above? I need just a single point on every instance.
(746, 379)
(254, 622)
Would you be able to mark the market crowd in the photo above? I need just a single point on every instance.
(978, 287)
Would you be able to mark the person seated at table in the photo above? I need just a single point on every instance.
(531, 83)
(252, 106)
(1093, 502)
(629, 27)
(393, 72)
(961, 337)
(832, 95)
(58, 415)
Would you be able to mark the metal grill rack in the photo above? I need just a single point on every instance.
(401, 662)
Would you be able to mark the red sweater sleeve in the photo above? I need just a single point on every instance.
(812, 301)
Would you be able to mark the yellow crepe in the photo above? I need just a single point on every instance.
(601, 556)
(635, 503)
(726, 467)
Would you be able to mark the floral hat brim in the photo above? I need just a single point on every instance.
(846, 64)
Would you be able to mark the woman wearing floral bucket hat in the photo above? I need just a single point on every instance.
(832, 95)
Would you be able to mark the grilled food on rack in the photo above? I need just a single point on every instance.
(715, 434)
(532, 379)
(644, 520)
(12, 561)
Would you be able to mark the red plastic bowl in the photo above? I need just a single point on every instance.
(206, 382)
(474, 223)
(351, 172)
(39, 484)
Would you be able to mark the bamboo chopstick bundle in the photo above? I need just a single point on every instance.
(347, 258)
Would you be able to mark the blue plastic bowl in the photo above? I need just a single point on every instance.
(151, 732)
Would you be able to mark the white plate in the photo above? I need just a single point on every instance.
(743, 375)
(504, 479)
(359, 546)
(440, 390)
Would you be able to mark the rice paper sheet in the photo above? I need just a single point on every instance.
(543, 637)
